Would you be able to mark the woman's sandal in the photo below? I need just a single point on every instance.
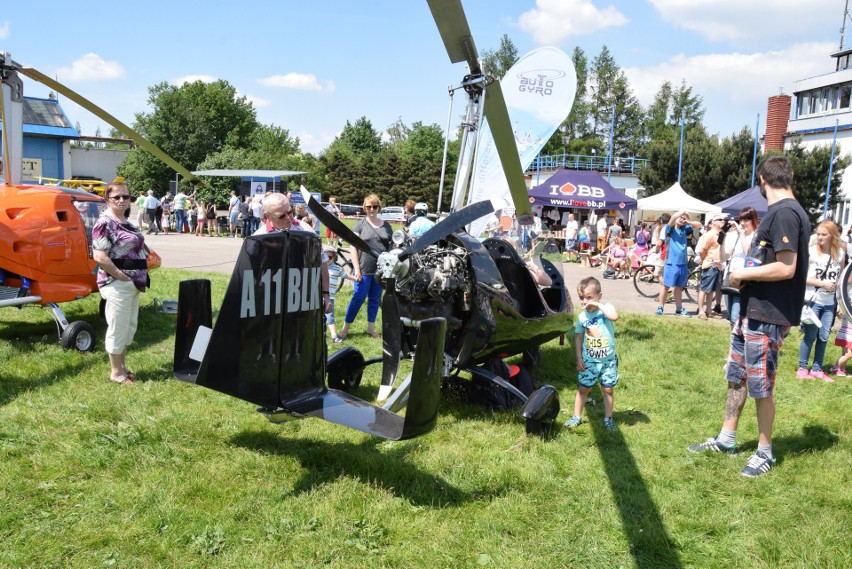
(131, 375)
(374, 334)
(123, 380)
(337, 340)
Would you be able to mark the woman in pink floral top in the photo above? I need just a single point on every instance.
(119, 249)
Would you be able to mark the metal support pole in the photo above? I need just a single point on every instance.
(611, 144)
(830, 171)
(754, 156)
(444, 160)
(680, 155)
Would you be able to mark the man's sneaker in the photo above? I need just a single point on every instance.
(713, 445)
(609, 424)
(819, 374)
(682, 312)
(802, 373)
(659, 311)
(758, 465)
(574, 421)
(838, 371)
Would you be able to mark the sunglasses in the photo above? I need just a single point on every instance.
(285, 214)
(372, 206)
(119, 198)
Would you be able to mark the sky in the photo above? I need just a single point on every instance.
(310, 67)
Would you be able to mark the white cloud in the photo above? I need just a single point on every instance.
(91, 67)
(193, 78)
(734, 83)
(5, 29)
(552, 21)
(257, 101)
(315, 143)
(738, 20)
(298, 81)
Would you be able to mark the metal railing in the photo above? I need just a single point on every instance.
(626, 165)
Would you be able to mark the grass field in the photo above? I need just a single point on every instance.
(166, 474)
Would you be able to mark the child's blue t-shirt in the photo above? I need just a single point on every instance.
(598, 336)
(676, 247)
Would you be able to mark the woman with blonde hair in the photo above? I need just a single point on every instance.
(824, 265)
(376, 232)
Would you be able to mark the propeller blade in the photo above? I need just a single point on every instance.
(451, 224)
(336, 225)
(111, 120)
(504, 141)
(455, 32)
(391, 339)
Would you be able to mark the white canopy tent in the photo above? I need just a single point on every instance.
(672, 200)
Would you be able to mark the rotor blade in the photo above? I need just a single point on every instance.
(391, 339)
(452, 24)
(451, 224)
(111, 120)
(336, 225)
(504, 141)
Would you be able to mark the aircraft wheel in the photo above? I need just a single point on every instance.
(344, 379)
(78, 335)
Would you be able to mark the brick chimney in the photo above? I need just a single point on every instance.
(777, 115)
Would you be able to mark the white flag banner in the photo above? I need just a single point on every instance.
(539, 91)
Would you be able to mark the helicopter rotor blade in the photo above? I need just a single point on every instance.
(391, 338)
(336, 225)
(455, 32)
(507, 149)
(36, 75)
(451, 224)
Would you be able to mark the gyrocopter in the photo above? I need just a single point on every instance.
(484, 290)
(455, 303)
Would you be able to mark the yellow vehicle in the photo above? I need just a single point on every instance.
(91, 186)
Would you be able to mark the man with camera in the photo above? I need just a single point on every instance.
(709, 250)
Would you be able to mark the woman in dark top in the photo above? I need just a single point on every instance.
(376, 232)
(119, 249)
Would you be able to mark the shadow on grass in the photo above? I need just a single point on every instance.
(814, 438)
(327, 461)
(650, 543)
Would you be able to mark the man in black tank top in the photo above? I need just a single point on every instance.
(772, 290)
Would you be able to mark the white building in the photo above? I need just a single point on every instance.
(818, 104)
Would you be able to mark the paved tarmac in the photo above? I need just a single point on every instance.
(218, 254)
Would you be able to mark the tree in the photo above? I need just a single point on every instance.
(498, 62)
(613, 103)
(577, 122)
(361, 139)
(189, 123)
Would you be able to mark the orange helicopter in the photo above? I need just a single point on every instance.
(46, 231)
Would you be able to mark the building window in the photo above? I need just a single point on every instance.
(813, 102)
(845, 95)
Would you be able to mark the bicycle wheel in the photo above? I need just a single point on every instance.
(646, 282)
(693, 282)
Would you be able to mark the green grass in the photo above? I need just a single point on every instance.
(166, 474)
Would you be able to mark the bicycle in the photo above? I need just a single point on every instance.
(648, 278)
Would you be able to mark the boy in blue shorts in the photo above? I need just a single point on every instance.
(594, 341)
(676, 269)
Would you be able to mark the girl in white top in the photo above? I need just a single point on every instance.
(826, 260)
